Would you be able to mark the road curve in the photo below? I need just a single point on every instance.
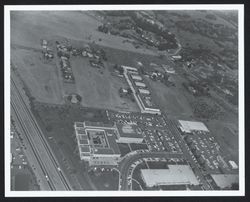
(130, 159)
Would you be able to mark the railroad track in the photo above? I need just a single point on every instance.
(18, 98)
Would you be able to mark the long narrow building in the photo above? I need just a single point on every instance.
(140, 92)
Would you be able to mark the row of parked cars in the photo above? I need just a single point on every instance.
(66, 69)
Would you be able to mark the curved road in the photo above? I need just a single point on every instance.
(130, 159)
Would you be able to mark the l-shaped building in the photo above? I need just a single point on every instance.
(140, 92)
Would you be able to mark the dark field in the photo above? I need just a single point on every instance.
(124, 148)
(135, 146)
(57, 123)
(107, 180)
(22, 182)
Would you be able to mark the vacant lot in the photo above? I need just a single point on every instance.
(28, 27)
(99, 88)
(135, 146)
(227, 136)
(107, 180)
(124, 148)
(170, 99)
(57, 121)
(41, 79)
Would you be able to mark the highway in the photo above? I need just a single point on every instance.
(130, 159)
(42, 151)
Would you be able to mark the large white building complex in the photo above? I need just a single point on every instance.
(140, 92)
(97, 142)
(174, 175)
(192, 126)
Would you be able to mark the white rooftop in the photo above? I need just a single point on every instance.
(144, 91)
(175, 175)
(225, 180)
(140, 84)
(189, 126)
(136, 77)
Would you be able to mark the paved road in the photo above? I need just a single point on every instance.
(130, 159)
(47, 161)
(186, 151)
(31, 156)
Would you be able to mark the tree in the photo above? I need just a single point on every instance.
(129, 91)
(49, 128)
(235, 186)
(116, 66)
(141, 70)
(165, 77)
(120, 69)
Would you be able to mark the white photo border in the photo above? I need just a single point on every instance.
(238, 7)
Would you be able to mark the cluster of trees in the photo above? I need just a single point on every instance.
(78, 97)
(119, 68)
(201, 89)
(170, 40)
(143, 24)
(103, 28)
(206, 111)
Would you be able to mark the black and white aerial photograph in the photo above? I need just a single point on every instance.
(124, 100)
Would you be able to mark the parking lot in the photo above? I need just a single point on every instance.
(155, 132)
(142, 120)
(207, 152)
(153, 141)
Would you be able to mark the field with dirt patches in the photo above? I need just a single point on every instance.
(99, 88)
(28, 27)
(170, 99)
(57, 124)
(42, 79)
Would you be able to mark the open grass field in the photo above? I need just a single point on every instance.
(99, 88)
(135, 146)
(41, 79)
(28, 27)
(56, 122)
(107, 180)
(124, 148)
(227, 136)
(170, 99)
(44, 81)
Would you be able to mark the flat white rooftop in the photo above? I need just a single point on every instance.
(175, 175)
(144, 91)
(136, 77)
(140, 84)
(225, 180)
(189, 126)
